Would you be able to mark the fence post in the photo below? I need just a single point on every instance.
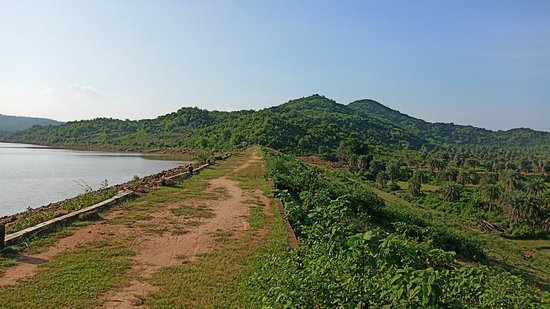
(2, 235)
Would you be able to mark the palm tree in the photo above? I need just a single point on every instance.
(382, 178)
(536, 186)
(392, 170)
(361, 162)
(520, 207)
(418, 177)
(376, 166)
(462, 177)
(451, 192)
(452, 173)
(524, 166)
(473, 178)
(496, 166)
(414, 188)
(491, 192)
(511, 180)
(435, 164)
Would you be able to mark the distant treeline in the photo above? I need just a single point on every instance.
(17, 123)
(312, 125)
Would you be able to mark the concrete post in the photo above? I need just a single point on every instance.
(2, 235)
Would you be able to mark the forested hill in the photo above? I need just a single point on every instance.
(451, 133)
(17, 123)
(310, 125)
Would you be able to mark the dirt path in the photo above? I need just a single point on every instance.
(252, 159)
(156, 251)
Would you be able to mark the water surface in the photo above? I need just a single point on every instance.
(32, 176)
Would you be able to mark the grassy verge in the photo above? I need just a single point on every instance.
(73, 279)
(33, 217)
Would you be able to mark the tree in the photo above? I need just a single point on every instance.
(491, 192)
(418, 177)
(523, 208)
(524, 166)
(376, 166)
(451, 192)
(462, 177)
(354, 153)
(392, 170)
(511, 180)
(415, 188)
(536, 186)
(382, 178)
(451, 174)
(435, 164)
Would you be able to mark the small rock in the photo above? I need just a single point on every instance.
(60, 212)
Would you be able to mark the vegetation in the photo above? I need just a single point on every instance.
(355, 252)
(313, 125)
(32, 217)
(75, 279)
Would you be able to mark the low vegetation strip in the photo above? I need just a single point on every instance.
(291, 235)
(34, 217)
(48, 224)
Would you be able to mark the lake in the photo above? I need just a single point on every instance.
(32, 176)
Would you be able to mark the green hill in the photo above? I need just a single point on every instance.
(309, 125)
(452, 133)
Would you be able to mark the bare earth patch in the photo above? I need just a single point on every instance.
(156, 251)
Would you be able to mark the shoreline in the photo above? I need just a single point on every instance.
(144, 183)
(166, 153)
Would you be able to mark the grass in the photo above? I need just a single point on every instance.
(73, 279)
(8, 258)
(36, 243)
(33, 217)
(426, 187)
(218, 279)
(542, 245)
(257, 218)
(193, 211)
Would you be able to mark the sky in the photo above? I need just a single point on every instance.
(482, 63)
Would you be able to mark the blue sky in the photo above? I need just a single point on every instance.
(484, 63)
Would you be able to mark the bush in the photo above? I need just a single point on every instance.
(354, 253)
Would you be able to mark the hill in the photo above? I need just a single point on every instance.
(451, 133)
(19, 123)
(309, 125)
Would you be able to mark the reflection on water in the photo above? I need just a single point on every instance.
(32, 176)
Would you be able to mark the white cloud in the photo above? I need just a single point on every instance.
(49, 91)
(85, 90)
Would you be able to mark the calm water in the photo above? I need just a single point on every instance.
(32, 176)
